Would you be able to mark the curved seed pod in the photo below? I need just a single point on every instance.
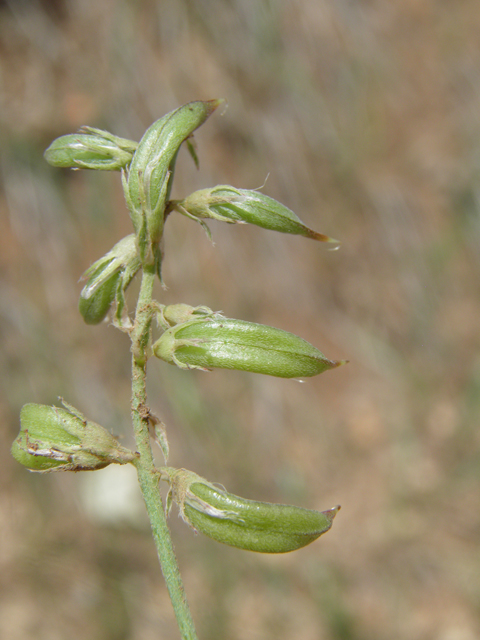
(147, 184)
(107, 280)
(225, 343)
(228, 204)
(55, 439)
(246, 524)
(91, 149)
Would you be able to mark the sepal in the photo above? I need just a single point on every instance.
(173, 314)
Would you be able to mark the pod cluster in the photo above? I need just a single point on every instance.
(147, 170)
(54, 438)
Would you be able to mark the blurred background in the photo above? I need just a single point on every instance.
(365, 116)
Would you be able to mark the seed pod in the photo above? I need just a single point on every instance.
(228, 204)
(147, 184)
(245, 524)
(95, 307)
(55, 439)
(107, 280)
(224, 343)
(91, 149)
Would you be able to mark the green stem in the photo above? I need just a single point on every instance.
(148, 475)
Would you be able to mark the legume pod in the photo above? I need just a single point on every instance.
(255, 526)
(107, 280)
(246, 524)
(228, 204)
(62, 439)
(225, 343)
(91, 149)
(146, 187)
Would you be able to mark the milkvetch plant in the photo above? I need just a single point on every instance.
(63, 439)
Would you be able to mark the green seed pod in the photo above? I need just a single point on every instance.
(107, 280)
(224, 343)
(228, 204)
(95, 307)
(91, 149)
(245, 524)
(55, 439)
(146, 186)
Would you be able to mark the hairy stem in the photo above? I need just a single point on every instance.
(148, 475)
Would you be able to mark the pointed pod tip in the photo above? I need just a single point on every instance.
(339, 363)
(331, 513)
(214, 104)
(321, 237)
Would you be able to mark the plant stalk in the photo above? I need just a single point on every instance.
(148, 475)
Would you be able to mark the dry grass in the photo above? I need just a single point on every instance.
(366, 117)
